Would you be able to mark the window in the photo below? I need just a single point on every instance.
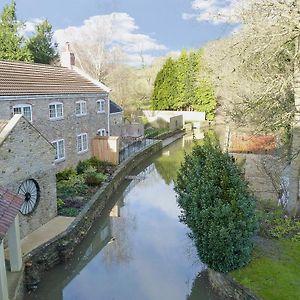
(80, 108)
(25, 110)
(56, 111)
(101, 106)
(82, 143)
(101, 132)
(59, 146)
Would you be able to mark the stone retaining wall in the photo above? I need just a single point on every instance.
(60, 248)
(229, 288)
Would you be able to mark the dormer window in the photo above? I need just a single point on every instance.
(101, 106)
(56, 111)
(80, 108)
(23, 109)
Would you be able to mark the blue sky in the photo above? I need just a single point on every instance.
(175, 24)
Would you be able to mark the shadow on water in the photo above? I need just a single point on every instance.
(138, 249)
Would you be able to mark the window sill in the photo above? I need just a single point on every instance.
(101, 112)
(81, 115)
(56, 119)
(59, 160)
(83, 151)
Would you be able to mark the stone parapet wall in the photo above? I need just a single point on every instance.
(229, 288)
(60, 248)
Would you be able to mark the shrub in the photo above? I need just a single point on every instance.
(217, 207)
(82, 166)
(65, 174)
(68, 212)
(75, 185)
(60, 203)
(92, 177)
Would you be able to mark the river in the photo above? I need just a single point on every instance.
(138, 250)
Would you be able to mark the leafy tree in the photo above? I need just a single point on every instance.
(217, 207)
(12, 46)
(40, 44)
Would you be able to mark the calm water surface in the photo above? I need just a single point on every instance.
(139, 250)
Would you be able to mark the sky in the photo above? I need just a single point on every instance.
(155, 27)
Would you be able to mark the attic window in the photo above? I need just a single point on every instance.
(23, 109)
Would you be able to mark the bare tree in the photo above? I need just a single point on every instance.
(257, 75)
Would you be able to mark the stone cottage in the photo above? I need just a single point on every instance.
(27, 168)
(67, 106)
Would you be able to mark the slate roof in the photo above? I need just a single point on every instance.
(114, 107)
(10, 204)
(23, 79)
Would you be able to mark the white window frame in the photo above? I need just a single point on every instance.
(99, 102)
(101, 131)
(55, 105)
(80, 143)
(59, 158)
(21, 107)
(82, 104)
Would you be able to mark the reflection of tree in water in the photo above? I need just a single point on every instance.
(202, 289)
(168, 164)
(119, 250)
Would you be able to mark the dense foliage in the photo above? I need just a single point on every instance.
(40, 44)
(14, 46)
(180, 86)
(217, 207)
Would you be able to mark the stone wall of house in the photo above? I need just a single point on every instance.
(25, 154)
(116, 123)
(264, 173)
(67, 128)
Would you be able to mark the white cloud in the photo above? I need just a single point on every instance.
(29, 26)
(113, 30)
(215, 11)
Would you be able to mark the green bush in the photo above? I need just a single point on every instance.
(75, 185)
(82, 166)
(275, 224)
(101, 166)
(154, 132)
(60, 203)
(217, 207)
(68, 212)
(92, 177)
(65, 174)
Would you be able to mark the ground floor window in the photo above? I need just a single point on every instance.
(82, 143)
(101, 132)
(59, 146)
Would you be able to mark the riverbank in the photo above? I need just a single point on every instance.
(274, 272)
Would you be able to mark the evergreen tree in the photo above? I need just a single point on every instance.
(165, 87)
(12, 46)
(180, 85)
(217, 207)
(40, 44)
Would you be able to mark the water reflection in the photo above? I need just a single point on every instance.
(139, 250)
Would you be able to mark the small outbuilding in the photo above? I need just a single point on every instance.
(27, 169)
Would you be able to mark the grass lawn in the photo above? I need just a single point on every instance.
(274, 273)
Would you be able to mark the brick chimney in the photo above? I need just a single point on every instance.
(67, 58)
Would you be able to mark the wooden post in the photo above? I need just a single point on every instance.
(3, 278)
(14, 246)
